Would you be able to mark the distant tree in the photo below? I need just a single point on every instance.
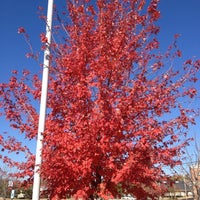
(189, 169)
(3, 183)
(5, 178)
(117, 109)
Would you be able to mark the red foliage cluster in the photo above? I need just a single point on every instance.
(108, 129)
(43, 38)
(21, 30)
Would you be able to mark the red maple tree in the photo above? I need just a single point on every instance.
(116, 106)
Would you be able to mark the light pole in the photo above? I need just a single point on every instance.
(43, 101)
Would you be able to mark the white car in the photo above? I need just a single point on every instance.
(129, 197)
(21, 195)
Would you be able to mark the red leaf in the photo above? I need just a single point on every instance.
(43, 38)
(21, 30)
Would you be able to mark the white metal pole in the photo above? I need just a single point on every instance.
(43, 102)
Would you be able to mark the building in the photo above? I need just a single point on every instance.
(180, 188)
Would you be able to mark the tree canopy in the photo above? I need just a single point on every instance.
(117, 110)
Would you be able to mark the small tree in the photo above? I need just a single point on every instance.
(110, 97)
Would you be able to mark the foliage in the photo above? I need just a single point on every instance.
(116, 106)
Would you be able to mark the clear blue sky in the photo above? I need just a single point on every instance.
(177, 16)
(13, 47)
